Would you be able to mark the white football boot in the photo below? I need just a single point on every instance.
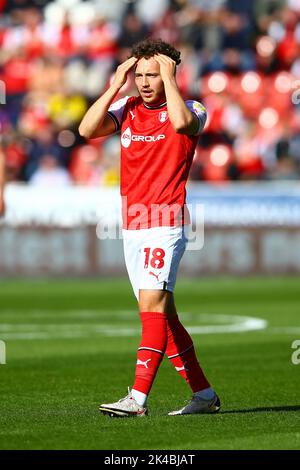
(125, 407)
(198, 405)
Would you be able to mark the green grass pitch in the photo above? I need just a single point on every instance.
(71, 345)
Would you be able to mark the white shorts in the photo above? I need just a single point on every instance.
(152, 257)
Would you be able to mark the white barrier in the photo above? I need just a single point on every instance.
(53, 232)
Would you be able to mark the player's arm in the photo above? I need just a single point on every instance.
(2, 182)
(96, 122)
(182, 119)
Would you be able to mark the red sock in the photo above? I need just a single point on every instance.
(180, 350)
(151, 350)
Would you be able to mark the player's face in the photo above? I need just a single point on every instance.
(149, 82)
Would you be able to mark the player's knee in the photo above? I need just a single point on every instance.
(154, 301)
(151, 301)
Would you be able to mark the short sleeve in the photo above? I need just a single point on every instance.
(199, 110)
(116, 111)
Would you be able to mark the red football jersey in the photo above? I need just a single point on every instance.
(155, 162)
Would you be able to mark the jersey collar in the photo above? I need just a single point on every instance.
(155, 107)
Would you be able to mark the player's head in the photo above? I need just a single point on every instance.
(147, 70)
(149, 47)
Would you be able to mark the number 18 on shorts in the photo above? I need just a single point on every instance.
(152, 257)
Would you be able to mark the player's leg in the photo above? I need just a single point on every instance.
(161, 250)
(128, 406)
(148, 255)
(153, 307)
(181, 352)
(179, 348)
(152, 303)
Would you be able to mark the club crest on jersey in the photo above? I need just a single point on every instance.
(163, 116)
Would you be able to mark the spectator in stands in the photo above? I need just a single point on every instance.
(55, 60)
(42, 144)
(50, 174)
(133, 30)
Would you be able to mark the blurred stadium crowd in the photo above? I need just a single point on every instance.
(240, 58)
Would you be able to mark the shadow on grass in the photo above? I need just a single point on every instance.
(263, 409)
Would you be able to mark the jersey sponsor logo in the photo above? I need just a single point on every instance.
(163, 116)
(127, 137)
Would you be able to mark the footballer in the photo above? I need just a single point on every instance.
(159, 133)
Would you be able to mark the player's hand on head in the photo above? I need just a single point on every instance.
(167, 66)
(122, 71)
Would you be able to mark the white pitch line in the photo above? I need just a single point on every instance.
(27, 331)
(99, 313)
(289, 330)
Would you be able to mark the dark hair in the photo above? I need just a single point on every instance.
(149, 47)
